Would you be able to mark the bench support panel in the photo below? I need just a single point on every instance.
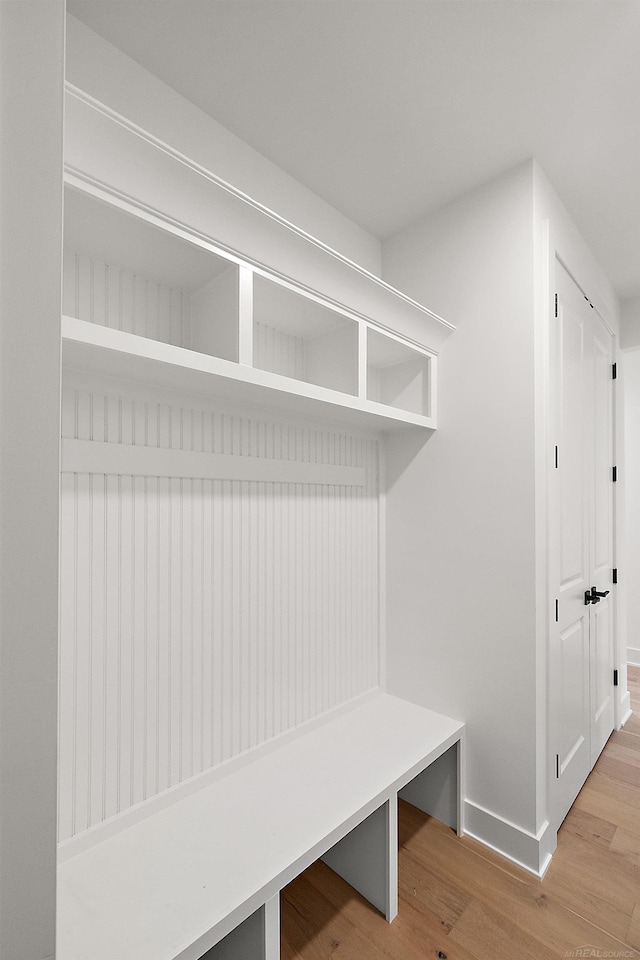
(256, 938)
(367, 858)
(435, 790)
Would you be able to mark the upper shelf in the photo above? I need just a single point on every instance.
(101, 350)
(152, 304)
(106, 150)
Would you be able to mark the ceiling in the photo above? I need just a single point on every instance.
(388, 109)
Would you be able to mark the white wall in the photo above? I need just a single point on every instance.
(631, 383)
(31, 57)
(460, 509)
(107, 74)
(630, 325)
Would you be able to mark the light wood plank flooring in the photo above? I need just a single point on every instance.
(460, 901)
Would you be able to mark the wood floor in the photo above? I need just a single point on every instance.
(460, 901)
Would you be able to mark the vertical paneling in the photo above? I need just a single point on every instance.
(203, 617)
(278, 352)
(115, 297)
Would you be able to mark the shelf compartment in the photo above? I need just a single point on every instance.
(94, 349)
(217, 325)
(400, 375)
(296, 336)
(122, 272)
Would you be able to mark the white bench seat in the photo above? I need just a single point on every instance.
(175, 883)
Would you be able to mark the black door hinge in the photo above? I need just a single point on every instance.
(615, 678)
(556, 305)
(614, 474)
(615, 575)
(556, 457)
(557, 611)
(557, 766)
(614, 371)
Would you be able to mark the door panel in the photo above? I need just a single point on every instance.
(573, 651)
(602, 700)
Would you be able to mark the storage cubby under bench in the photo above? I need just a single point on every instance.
(201, 876)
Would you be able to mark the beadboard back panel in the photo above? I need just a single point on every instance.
(201, 617)
(278, 352)
(115, 296)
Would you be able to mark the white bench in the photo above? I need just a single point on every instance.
(204, 873)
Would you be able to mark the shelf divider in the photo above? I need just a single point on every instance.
(362, 360)
(245, 316)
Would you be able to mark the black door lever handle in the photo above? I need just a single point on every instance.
(594, 596)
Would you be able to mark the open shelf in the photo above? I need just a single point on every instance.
(100, 350)
(298, 337)
(149, 300)
(399, 375)
(125, 273)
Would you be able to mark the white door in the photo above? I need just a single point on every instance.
(581, 649)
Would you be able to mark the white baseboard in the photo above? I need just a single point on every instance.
(633, 656)
(531, 851)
